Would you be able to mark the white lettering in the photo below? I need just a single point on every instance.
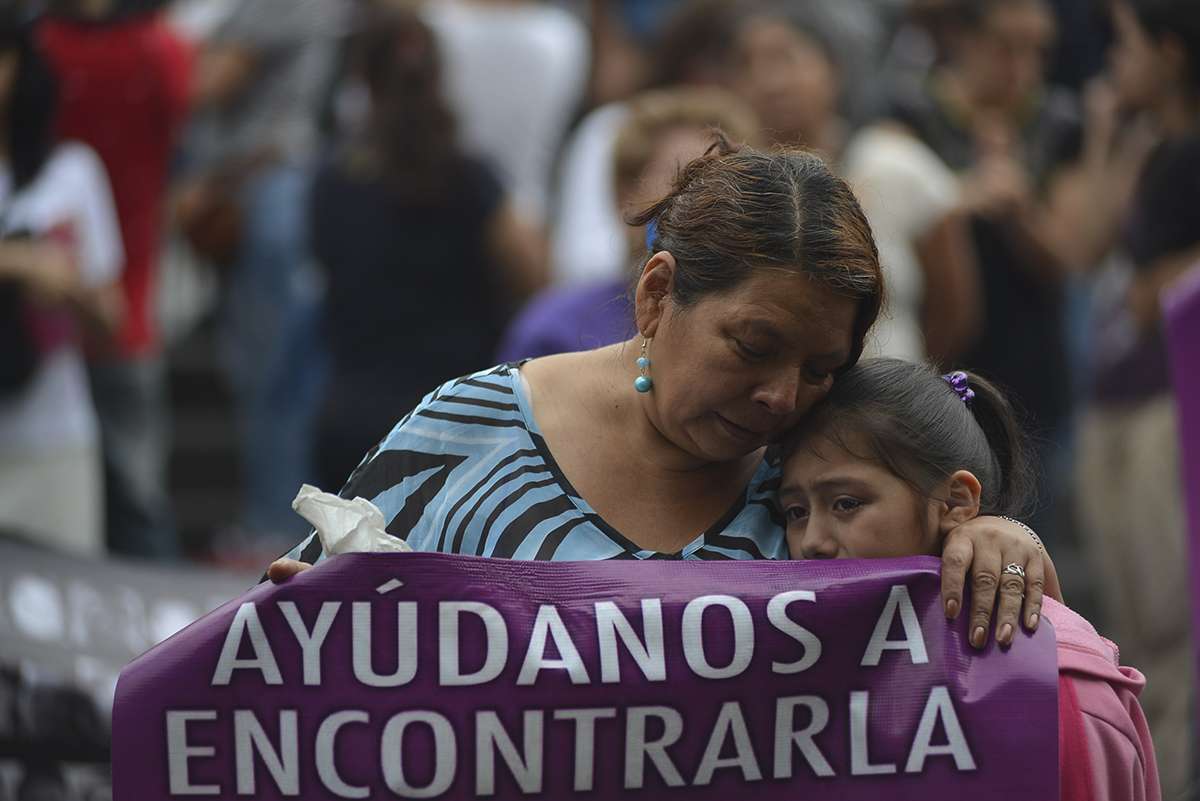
(693, 636)
(637, 747)
(548, 622)
(729, 721)
(326, 764)
(391, 754)
(611, 622)
(406, 645)
(860, 759)
(914, 640)
(283, 765)
(246, 622)
(786, 736)
(496, 643)
(940, 706)
(585, 739)
(310, 642)
(179, 752)
(490, 737)
(777, 614)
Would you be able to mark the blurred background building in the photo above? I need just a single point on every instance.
(241, 237)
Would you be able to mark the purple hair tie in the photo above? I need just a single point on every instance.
(958, 382)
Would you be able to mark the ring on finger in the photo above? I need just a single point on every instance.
(1013, 569)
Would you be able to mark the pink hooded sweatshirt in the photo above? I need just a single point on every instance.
(1104, 746)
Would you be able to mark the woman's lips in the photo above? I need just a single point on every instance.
(741, 432)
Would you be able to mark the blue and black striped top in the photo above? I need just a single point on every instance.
(467, 471)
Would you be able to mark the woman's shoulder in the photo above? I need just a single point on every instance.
(485, 399)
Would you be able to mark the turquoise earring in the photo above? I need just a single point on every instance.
(643, 383)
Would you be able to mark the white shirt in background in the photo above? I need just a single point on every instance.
(71, 192)
(904, 189)
(515, 75)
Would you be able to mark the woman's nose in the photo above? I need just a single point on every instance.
(780, 394)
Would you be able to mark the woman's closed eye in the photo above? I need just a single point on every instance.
(816, 375)
(750, 352)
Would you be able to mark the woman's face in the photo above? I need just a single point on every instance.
(1006, 60)
(738, 368)
(787, 78)
(842, 506)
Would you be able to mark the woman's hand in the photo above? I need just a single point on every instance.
(985, 546)
(283, 569)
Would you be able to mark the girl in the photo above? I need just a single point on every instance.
(894, 458)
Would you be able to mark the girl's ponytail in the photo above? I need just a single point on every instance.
(1009, 444)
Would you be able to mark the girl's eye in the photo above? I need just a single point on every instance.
(846, 504)
(795, 513)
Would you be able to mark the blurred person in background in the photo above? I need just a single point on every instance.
(260, 78)
(1014, 144)
(516, 72)
(664, 129)
(60, 272)
(693, 47)
(787, 69)
(424, 252)
(124, 92)
(1128, 475)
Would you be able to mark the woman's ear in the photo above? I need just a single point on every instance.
(961, 493)
(653, 290)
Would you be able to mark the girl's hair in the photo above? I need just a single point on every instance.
(33, 99)
(737, 211)
(410, 138)
(916, 425)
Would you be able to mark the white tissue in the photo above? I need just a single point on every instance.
(346, 526)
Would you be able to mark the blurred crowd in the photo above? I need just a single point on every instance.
(386, 194)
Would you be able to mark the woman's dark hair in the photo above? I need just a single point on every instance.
(411, 135)
(735, 211)
(1178, 19)
(33, 99)
(919, 428)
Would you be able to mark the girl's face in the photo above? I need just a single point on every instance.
(842, 506)
(736, 369)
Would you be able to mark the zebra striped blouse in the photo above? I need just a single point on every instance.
(467, 471)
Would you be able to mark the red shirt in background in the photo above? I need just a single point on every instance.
(124, 90)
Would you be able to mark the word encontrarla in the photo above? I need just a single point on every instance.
(620, 650)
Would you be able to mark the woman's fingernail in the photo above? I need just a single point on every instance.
(977, 636)
(1005, 633)
(1033, 620)
(952, 608)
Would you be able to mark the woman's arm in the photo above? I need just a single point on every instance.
(985, 546)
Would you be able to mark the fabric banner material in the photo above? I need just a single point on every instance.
(1182, 311)
(437, 676)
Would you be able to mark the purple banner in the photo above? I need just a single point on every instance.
(437, 676)
(1182, 311)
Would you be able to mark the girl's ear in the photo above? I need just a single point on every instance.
(961, 494)
(653, 289)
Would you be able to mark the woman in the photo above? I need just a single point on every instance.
(663, 130)
(1131, 498)
(894, 458)
(791, 74)
(762, 283)
(412, 235)
(60, 265)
